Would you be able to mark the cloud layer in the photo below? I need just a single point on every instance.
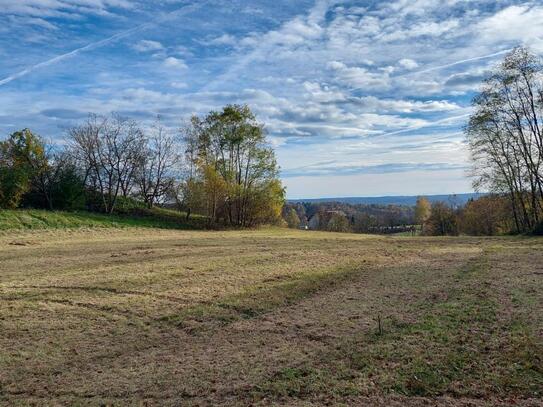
(359, 98)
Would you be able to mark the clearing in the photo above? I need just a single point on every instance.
(268, 317)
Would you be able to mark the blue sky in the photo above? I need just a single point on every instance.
(359, 98)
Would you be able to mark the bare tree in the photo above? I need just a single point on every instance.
(108, 150)
(505, 135)
(47, 173)
(158, 166)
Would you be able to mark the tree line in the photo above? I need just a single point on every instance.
(219, 165)
(488, 215)
(485, 216)
(344, 217)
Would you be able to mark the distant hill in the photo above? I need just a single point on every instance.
(457, 199)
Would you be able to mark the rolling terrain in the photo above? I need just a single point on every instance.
(408, 200)
(108, 315)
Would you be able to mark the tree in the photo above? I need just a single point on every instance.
(266, 202)
(36, 174)
(229, 159)
(486, 216)
(159, 160)
(22, 158)
(230, 172)
(338, 223)
(188, 195)
(108, 151)
(188, 190)
(300, 211)
(68, 187)
(364, 223)
(291, 217)
(423, 209)
(442, 221)
(56, 183)
(505, 136)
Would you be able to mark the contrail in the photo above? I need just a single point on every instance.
(88, 47)
(101, 43)
(421, 126)
(463, 61)
(438, 67)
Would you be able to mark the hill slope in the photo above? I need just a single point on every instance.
(41, 219)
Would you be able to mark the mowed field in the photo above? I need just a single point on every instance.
(145, 316)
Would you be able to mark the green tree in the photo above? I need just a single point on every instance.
(68, 187)
(266, 204)
(338, 223)
(22, 158)
(292, 219)
(228, 154)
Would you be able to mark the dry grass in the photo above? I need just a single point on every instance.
(109, 316)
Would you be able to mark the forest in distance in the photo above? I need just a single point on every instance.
(485, 215)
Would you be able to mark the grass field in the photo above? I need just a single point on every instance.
(33, 219)
(95, 316)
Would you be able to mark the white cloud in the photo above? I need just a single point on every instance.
(323, 94)
(517, 23)
(359, 77)
(62, 8)
(408, 63)
(416, 7)
(179, 85)
(32, 21)
(148, 45)
(406, 106)
(225, 39)
(174, 63)
(424, 28)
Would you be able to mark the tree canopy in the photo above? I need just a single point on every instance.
(232, 163)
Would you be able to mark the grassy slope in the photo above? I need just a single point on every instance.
(41, 219)
(269, 316)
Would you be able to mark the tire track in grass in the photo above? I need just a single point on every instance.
(456, 347)
(265, 298)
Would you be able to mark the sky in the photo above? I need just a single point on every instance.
(358, 98)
